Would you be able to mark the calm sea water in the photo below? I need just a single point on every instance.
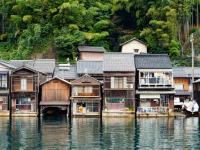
(59, 133)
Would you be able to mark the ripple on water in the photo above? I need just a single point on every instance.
(91, 133)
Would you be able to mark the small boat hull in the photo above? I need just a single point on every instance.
(191, 108)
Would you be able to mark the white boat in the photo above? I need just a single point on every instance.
(191, 107)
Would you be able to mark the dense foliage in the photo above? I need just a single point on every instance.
(29, 27)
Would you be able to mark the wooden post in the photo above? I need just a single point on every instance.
(101, 101)
(70, 105)
(10, 96)
(192, 48)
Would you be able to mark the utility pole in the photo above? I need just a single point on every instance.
(192, 48)
(197, 14)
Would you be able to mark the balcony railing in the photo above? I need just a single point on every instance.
(23, 107)
(85, 94)
(152, 109)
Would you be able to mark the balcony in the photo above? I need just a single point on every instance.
(85, 94)
(154, 82)
(155, 79)
(86, 91)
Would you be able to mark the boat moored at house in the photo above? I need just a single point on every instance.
(183, 82)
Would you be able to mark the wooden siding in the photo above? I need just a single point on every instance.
(55, 90)
(16, 84)
(184, 81)
(119, 99)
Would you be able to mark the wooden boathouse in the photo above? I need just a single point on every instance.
(55, 94)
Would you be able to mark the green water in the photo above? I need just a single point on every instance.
(91, 133)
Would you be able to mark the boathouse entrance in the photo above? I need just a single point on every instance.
(55, 96)
(54, 110)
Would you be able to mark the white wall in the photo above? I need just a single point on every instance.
(130, 46)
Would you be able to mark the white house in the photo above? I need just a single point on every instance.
(134, 46)
(5, 69)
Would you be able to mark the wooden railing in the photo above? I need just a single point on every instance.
(85, 94)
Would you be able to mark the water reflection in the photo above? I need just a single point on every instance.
(94, 133)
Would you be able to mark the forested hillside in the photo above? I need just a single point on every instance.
(35, 28)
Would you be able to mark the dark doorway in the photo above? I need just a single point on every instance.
(54, 111)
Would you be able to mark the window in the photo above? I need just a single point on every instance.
(136, 50)
(23, 84)
(164, 100)
(93, 107)
(179, 86)
(88, 89)
(23, 101)
(3, 81)
(82, 91)
(155, 78)
(118, 82)
(121, 82)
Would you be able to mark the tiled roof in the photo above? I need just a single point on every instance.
(91, 49)
(133, 39)
(55, 78)
(27, 68)
(45, 65)
(118, 62)
(6, 64)
(42, 65)
(152, 61)
(85, 79)
(90, 67)
(186, 72)
(67, 74)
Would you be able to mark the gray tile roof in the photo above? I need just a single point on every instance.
(152, 61)
(90, 67)
(42, 65)
(91, 49)
(67, 74)
(133, 39)
(45, 65)
(186, 72)
(118, 62)
(5, 63)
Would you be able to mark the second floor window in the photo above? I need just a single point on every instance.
(82, 91)
(155, 78)
(179, 86)
(3, 81)
(121, 83)
(23, 84)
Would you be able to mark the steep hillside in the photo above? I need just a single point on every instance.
(48, 28)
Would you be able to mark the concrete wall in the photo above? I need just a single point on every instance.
(91, 56)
